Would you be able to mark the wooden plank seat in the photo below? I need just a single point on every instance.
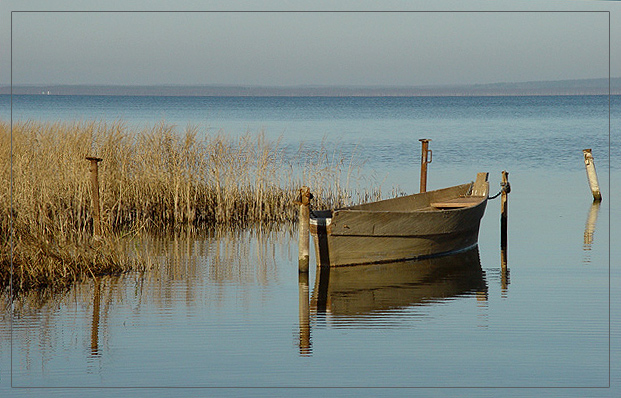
(457, 203)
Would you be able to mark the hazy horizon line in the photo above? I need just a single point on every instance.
(591, 86)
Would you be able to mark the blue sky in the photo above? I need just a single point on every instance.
(249, 48)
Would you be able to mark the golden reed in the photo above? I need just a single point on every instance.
(151, 178)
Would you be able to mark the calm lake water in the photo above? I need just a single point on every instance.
(226, 314)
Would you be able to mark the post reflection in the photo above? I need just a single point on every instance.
(504, 273)
(589, 228)
(304, 314)
(95, 319)
(359, 295)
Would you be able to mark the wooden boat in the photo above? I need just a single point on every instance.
(409, 227)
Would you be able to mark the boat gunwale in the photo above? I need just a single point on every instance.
(315, 219)
(469, 185)
(427, 209)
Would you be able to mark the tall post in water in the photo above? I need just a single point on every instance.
(425, 158)
(304, 221)
(504, 209)
(589, 163)
(504, 215)
(95, 194)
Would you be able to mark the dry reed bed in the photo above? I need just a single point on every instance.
(154, 178)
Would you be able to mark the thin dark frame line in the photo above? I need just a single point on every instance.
(310, 11)
(315, 11)
(11, 232)
(314, 387)
(609, 204)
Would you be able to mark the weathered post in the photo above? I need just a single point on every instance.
(303, 221)
(589, 163)
(425, 158)
(95, 194)
(504, 209)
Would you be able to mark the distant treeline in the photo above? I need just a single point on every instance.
(560, 87)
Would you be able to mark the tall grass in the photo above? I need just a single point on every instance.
(152, 178)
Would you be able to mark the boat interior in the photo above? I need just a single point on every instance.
(452, 198)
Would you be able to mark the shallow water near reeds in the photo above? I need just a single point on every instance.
(227, 310)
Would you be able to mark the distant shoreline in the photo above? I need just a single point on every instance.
(560, 87)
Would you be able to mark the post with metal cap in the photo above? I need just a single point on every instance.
(304, 221)
(589, 163)
(95, 194)
(425, 158)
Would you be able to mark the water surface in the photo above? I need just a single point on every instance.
(229, 309)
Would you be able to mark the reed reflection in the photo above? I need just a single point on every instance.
(200, 267)
(188, 272)
(47, 323)
(376, 295)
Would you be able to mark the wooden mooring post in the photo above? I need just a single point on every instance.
(425, 158)
(504, 209)
(504, 216)
(304, 221)
(95, 194)
(589, 163)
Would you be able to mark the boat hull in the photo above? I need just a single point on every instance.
(366, 235)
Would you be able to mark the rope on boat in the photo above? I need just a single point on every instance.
(504, 187)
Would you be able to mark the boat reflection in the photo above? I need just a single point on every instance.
(361, 290)
(380, 294)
